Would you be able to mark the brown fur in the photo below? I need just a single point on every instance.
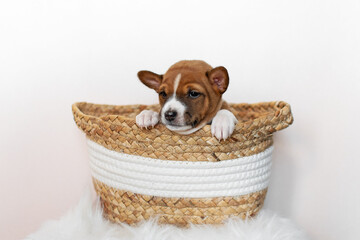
(195, 75)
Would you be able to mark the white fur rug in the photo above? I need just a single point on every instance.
(85, 222)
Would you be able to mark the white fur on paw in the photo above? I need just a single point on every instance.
(147, 118)
(223, 124)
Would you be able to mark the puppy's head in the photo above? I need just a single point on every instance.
(189, 94)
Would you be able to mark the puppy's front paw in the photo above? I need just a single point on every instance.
(147, 118)
(223, 124)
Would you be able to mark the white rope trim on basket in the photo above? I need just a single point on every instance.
(166, 178)
(178, 177)
(164, 185)
(175, 169)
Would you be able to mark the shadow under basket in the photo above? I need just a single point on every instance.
(179, 179)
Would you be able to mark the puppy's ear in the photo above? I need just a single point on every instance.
(219, 79)
(150, 79)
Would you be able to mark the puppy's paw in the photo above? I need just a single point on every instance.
(223, 124)
(147, 118)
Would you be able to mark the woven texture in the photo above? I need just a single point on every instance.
(182, 179)
(123, 206)
(114, 128)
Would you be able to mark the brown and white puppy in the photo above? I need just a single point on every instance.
(190, 97)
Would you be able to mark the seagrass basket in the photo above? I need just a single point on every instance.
(179, 179)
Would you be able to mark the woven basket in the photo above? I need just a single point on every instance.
(180, 179)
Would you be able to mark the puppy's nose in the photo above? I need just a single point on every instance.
(170, 115)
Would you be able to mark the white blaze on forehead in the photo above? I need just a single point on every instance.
(176, 83)
(174, 104)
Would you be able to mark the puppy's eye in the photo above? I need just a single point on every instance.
(194, 94)
(163, 94)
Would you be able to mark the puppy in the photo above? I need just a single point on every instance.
(190, 95)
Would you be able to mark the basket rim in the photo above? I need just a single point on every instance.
(280, 118)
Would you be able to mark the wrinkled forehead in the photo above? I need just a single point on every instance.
(183, 81)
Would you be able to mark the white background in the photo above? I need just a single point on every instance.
(54, 53)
